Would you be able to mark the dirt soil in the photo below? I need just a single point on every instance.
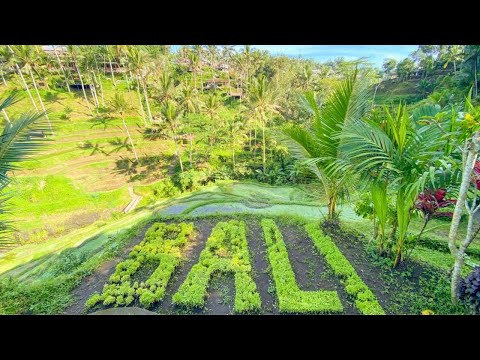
(310, 267)
(311, 271)
(96, 281)
(374, 276)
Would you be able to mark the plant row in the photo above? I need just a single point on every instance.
(226, 251)
(365, 300)
(290, 298)
(162, 245)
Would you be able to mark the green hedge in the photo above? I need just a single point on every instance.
(365, 300)
(162, 245)
(290, 298)
(226, 251)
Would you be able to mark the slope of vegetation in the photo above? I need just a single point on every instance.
(129, 134)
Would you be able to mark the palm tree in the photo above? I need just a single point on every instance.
(27, 56)
(454, 54)
(191, 104)
(120, 106)
(234, 129)
(194, 65)
(16, 146)
(263, 101)
(319, 145)
(21, 76)
(111, 52)
(171, 114)
(138, 60)
(5, 62)
(211, 108)
(393, 154)
(472, 54)
(76, 55)
(135, 62)
(61, 67)
(166, 86)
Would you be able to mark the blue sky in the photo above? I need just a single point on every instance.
(375, 53)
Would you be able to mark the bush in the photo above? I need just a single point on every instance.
(226, 250)
(163, 244)
(191, 180)
(290, 298)
(470, 291)
(365, 300)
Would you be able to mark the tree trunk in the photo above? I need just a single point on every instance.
(141, 105)
(476, 85)
(100, 85)
(462, 194)
(6, 117)
(61, 67)
(177, 152)
(3, 78)
(332, 204)
(26, 86)
(41, 102)
(94, 94)
(83, 87)
(191, 151)
(128, 88)
(146, 100)
(460, 258)
(264, 160)
(233, 155)
(111, 72)
(129, 138)
(454, 67)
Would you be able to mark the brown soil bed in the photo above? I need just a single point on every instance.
(375, 276)
(311, 271)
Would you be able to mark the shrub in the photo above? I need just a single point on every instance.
(162, 245)
(365, 300)
(470, 291)
(290, 298)
(226, 251)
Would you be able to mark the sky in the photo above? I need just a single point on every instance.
(374, 53)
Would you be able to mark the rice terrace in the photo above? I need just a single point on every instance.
(216, 180)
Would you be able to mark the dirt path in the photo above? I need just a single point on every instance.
(262, 277)
(135, 200)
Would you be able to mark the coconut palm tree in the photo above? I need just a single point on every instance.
(137, 61)
(166, 86)
(190, 104)
(472, 54)
(6, 61)
(75, 54)
(16, 145)
(26, 57)
(171, 114)
(194, 65)
(120, 106)
(263, 102)
(13, 60)
(318, 144)
(393, 153)
(453, 54)
(234, 130)
(210, 108)
(61, 68)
